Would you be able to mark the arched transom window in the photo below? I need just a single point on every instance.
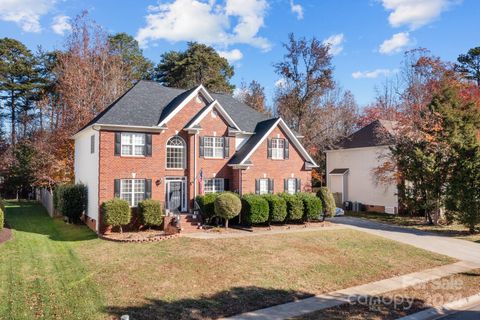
(176, 153)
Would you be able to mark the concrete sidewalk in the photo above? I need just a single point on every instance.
(455, 248)
(309, 305)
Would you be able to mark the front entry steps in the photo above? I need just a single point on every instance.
(190, 223)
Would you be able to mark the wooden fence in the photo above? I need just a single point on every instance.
(45, 197)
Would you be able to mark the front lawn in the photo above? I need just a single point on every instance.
(53, 270)
(453, 230)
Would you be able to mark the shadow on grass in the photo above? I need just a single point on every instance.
(31, 217)
(223, 304)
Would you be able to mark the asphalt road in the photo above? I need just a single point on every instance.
(473, 313)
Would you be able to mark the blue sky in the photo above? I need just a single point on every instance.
(368, 36)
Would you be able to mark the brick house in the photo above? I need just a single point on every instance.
(154, 141)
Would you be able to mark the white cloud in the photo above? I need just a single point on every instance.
(395, 44)
(61, 24)
(236, 21)
(296, 9)
(25, 13)
(373, 74)
(335, 42)
(415, 13)
(232, 55)
(280, 83)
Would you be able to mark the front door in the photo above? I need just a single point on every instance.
(176, 195)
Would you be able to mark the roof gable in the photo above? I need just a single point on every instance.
(377, 133)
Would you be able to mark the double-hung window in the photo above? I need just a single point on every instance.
(133, 144)
(278, 148)
(132, 191)
(213, 147)
(176, 154)
(263, 186)
(214, 185)
(291, 186)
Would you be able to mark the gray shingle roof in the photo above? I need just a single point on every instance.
(377, 133)
(147, 103)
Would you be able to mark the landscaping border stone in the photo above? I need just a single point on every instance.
(158, 238)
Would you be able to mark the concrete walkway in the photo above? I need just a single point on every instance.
(309, 305)
(466, 251)
(455, 248)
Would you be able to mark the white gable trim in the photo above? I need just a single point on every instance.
(215, 104)
(201, 89)
(291, 137)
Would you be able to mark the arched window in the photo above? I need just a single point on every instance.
(176, 153)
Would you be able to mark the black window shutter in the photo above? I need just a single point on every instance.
(116, 188)
(287, 151)
(226, 185)
(201, 146)
(270, 185)
(257, 186)
(285, 185)
(118, 143)
(226, 147)
(299, 185)
(148, 145)
(269, 148)
(148, 188)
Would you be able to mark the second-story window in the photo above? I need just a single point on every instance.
(133, 144)
(176, 153)
(213, 147)
(278, 148)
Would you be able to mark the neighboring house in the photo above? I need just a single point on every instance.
(154, 141)
(350, 168)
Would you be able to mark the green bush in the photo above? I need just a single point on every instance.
(254, 209)
(328, 201)
(312, 206)
(151, 213)
(206, 204)
(71, 200)
(227, 206)
(2, 204)
(2, 218)
(57, 196)
(277, 208)
(294, 207)
(116, 213)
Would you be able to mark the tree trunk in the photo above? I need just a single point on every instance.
(226, 223)
(13, 117)
(429, 217)
(121, 230)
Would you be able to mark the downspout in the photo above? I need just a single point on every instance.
(195, 167)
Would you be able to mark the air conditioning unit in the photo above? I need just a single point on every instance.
(391, 210)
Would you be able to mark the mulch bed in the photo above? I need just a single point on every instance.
(139, 236)
(5, 234)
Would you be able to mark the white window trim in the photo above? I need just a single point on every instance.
(214, 190)
(294, 185)
(213, 147)
(133, 144)
(260, 186)
(132, 193)
(278, 150)
(184, 160)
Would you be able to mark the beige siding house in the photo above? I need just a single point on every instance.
(350, 168)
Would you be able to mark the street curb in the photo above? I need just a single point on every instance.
(446, 309)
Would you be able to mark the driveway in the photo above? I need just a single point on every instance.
(472, 313)
(455, 248)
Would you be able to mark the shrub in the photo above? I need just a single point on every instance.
(254, 209)
(312, 206)
(72, 200)
(277, 208)
(151, 213)
(57, 196)
(206, 204)
(328, 201)
(227, 206)
(116, 213)
(2, 218)
(294, 207)
(2, 205)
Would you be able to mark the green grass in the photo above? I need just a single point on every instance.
(52, 270)
(452, 230)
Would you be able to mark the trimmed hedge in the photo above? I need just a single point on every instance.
(207, 207)
(254, 209)
(71, 200)
(116, 213)
(328, 201)
(151, 213)
(227, 206)
(277, 208)
(312, 206)
(294, 207)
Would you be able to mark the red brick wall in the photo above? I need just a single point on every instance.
(275, 169)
